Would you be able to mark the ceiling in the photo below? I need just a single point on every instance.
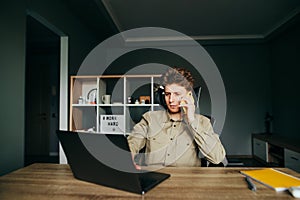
(199, 19)
(39, 38)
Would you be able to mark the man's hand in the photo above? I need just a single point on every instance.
(188, 107)
(135, 165)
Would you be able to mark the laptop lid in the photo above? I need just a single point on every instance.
(105, 159)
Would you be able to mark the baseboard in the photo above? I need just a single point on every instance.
(53, 153)
(237, 160)
(239, 156)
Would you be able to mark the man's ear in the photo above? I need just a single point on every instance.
(190, 95)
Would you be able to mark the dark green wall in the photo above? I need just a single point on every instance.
(245, 70)
(12, 66)
(285, 53)
(12, 87)
(257, 77)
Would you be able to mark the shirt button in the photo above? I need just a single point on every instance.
(171, 138)
(168, 154)
(174, 125)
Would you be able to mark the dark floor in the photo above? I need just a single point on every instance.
(244, 162)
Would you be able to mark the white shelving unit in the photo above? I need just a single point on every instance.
(85, 116)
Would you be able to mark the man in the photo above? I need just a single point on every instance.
(174, 137)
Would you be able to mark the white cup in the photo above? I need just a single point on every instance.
(106, 99)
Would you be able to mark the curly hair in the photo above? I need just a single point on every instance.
(179, 76)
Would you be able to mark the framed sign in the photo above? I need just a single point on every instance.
(112, 124)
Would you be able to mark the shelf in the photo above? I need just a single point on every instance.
(119, 87)
(274, 151)
(141, 105)
(275, 155)
(84, 105)
(110, 105)
(102, 105)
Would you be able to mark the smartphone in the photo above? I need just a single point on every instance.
(189, 95)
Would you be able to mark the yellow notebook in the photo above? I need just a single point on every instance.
(272, 178)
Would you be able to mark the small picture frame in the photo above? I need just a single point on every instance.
(145, 100)
(112, 124)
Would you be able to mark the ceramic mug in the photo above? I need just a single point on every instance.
(106, 99)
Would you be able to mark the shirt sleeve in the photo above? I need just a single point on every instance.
(137, 138)
(208, 142)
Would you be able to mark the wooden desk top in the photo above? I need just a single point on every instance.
(55, 181)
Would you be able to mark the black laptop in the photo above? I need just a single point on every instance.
(105, 159)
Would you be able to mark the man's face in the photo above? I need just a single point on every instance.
(173, 95)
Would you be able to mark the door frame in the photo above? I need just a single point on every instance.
(63, 76)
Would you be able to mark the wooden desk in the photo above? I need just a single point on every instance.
(54, 181)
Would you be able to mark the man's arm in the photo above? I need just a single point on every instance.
(208, 142)
(137, 138)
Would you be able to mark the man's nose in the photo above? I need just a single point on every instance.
(172, 97)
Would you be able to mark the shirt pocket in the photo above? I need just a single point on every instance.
(157, 142)
(188, 156)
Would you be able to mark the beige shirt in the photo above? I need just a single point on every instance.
(175, 143)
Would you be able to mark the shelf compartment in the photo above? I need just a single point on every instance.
(275, 155)
(84, 118)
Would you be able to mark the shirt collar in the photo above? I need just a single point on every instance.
(167, 118)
